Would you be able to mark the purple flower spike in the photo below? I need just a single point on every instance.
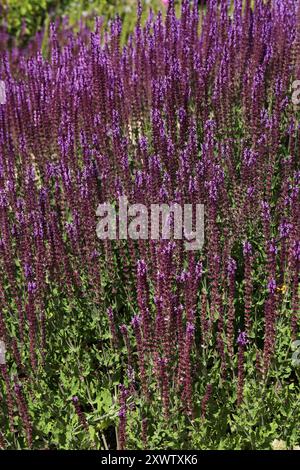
(272, 286)
(136, 321)
(141, 268)
(242, 339)
(247, 248)
(231, 266)
(296, 250)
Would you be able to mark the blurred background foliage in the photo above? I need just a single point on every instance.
(23, 18)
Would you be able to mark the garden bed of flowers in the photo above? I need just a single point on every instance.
(142, 344)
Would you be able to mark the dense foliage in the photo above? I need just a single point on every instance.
(23, 17)
(142, 344)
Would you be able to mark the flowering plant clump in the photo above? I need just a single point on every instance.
(135, 343)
